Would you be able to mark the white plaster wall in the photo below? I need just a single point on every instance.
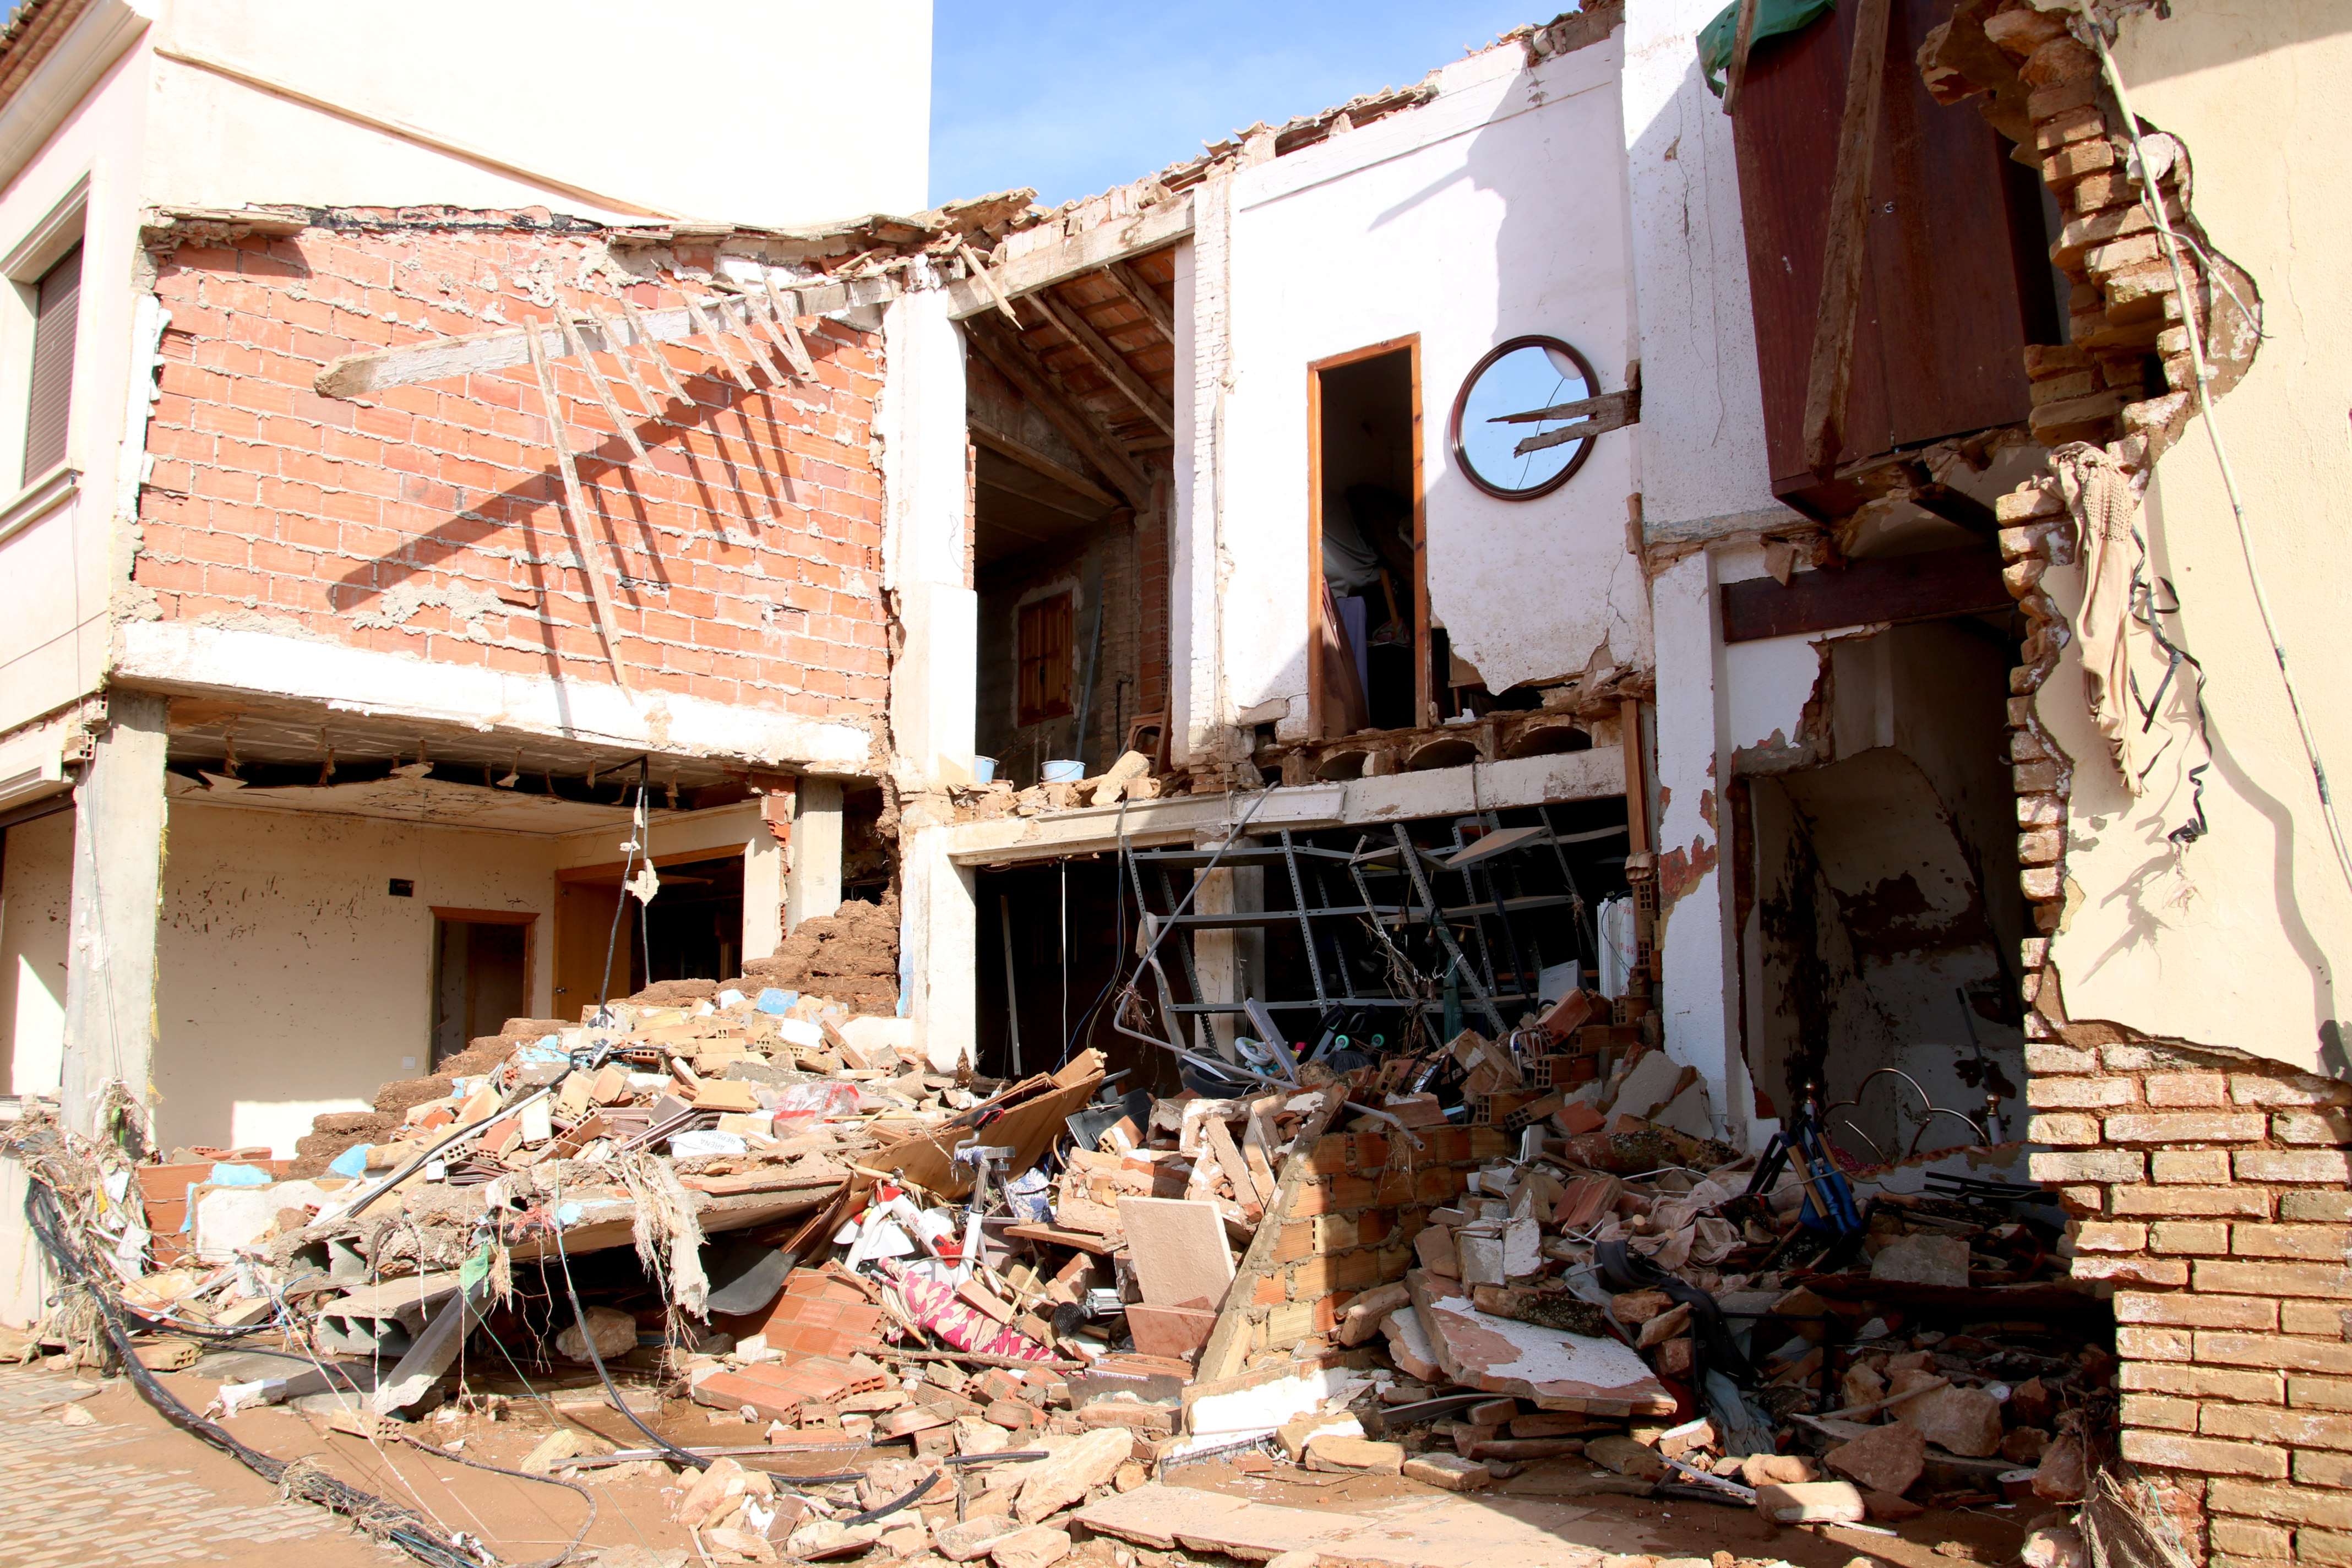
(767, 111)
(1497, 209)
(1701, 440)
(35, 896)
(58, 570)
(290, 982)
(2236, 940)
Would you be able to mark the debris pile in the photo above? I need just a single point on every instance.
(852, 1302)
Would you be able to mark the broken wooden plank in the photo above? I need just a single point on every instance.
(1113, 365)
(1594, 416)
(717, 333)
(608, 625)
(1943, 582)
(1743, 38)
(626, 426)
(1066, 257)
(1830, 375)
(1000, 349)
(612, 334)
(642, 324)
(476, 353)
(788, 330)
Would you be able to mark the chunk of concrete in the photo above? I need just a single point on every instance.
(1482, 1257)
(960, 1541)
(1811, 1502)
(1073, 1472)
(1450, 1471)
(1037, 1547)
(1964, 1421)
(1924, 1260)
(1625, 1456)
(1777, 1469)
(1333, 1452)
(1887, 1459)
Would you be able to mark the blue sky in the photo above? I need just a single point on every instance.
(1074, 97)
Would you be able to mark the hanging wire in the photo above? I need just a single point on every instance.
(2203, 376)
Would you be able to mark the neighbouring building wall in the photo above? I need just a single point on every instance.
(61, 558)
(1494, 210)
(35, 888)
(572, 92)
(413, 546)
(2176, 990)
(291, 982)
(2234, 940)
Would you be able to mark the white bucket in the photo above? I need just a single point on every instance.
(1066, 771)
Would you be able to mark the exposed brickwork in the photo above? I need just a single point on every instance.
(2209, 1191)
(2229, 1250)
(428, 519)
(1352, 1224)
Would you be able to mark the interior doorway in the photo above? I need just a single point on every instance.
(1368, 606)
(481, 974)
(693, 930)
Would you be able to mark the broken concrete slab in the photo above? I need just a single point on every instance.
(1410, 1347)
(1178, 1249)
(1073, 1472)
(1811, 1502)
(1964, 1421)
(1338, 1451)
(1417, 1532)
(1555, 1369)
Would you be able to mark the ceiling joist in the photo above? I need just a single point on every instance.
(1113, 365)
(1013, 359)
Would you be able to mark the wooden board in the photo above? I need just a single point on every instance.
(1097, 247)
(1178, 1248)
(1963, 582)
(1034, 1109)
(1952, 287)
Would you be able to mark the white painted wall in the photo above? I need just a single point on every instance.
(2238, 940)
(35, 899)
(1497, 209)
(1701, 440)
(768, 112)
(290, 981)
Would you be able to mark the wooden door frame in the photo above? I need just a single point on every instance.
(1408, 344)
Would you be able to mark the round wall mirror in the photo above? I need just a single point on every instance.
(1519, 376)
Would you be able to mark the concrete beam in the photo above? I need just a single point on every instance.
(1395, 798)
(812, 885)
(118, 874)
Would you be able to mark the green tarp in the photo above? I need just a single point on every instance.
(1773, 17)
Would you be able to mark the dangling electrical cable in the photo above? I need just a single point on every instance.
(2203, 376)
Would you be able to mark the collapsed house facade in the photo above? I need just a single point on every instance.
(1750, 692)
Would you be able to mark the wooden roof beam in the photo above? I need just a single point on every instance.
(1037, 462)
(356, 375)
(1136, 292)
(1000, 348)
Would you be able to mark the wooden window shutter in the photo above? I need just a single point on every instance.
(1044, 659)
(50, 398)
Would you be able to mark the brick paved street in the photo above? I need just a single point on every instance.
(95, 1496)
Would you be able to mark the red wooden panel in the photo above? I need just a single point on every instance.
(1952, 290)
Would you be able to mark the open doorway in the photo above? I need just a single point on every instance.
(1368, 599)
(693, 930)
(481, 974)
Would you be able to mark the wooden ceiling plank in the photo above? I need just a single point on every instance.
(1068, 257)
(1140, 294)
(1108, 360)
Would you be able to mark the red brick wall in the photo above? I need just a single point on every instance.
(428, 520)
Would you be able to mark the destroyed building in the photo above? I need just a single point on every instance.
(1673, 593)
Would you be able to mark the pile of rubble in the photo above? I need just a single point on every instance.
(956, 1316)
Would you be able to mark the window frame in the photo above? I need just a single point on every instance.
(23, 266)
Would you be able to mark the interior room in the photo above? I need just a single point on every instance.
(1369, 595)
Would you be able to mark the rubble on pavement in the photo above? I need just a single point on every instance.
(778, 1214)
